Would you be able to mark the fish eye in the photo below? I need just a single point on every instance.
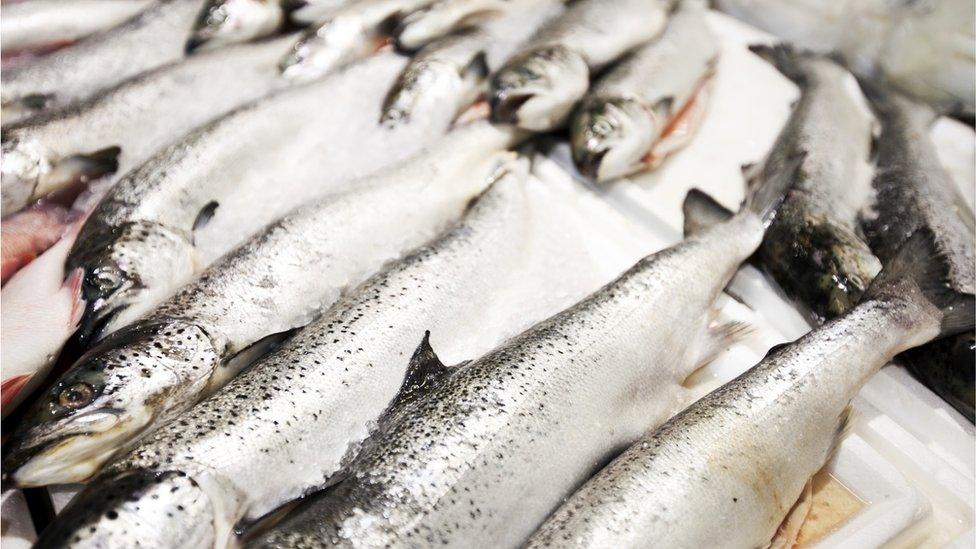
(75, 396)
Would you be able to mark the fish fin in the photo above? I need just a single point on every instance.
(424, 371)
(718, 338)
(785, 58)
(664, 105)
(702, 211)
(789, 529)
(73, 284)
(845, 423)
(78, 169)
(920, 261)
(230, 368)
(37, 101)
(205, 215)
(766, 194)
(477, 66)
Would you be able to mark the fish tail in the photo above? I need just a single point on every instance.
(702, 211)
(921, 261)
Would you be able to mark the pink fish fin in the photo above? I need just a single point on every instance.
(683, 126)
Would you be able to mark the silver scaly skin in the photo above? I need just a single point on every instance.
(302, 411)
(151, 39)
(541, 84)
(423, 26)
(223, 22)
(143, 240)
(451, 72)
(146, 374)
(309, 12)
(726, 471)
(43, 23)
(351, 32)
(138, 117)
(626, 114)
(492, 447)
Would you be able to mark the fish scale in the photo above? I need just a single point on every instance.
(474, 458)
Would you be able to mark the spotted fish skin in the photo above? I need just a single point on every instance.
(494, 446)
(277, 281)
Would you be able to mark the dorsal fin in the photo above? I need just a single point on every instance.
(424, 371)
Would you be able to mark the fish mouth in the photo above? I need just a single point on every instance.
(95, 321)
(505, 106)
(194, 44)
(69, 457)
(588, 162)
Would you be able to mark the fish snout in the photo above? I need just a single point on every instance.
(538, 89)
(224, 22)
(611, 138)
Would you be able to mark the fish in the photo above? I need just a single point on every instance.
(912, 190)
(821, 159)
(650, 104)
(541, 84)
(351, 32)
(49, 24)
(451, 72)
(170, 217)
(148, 373)
(743, 454)
(443, 17)
(491, 447)
(223, 22)
(309, 12)
(26, 235)
(151, 39)
(118, 129)
(329, 386)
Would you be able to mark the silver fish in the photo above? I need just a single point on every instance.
(423, 26)
(41, 24)
(223, 22)
(647, 106)
(451, 72)
(150, 372)
(308, 12)
(726, 471)
(302, 411)
(126, 124)
(539, 86)
(493, 446)
(351, 32)
(196, 199)
(149, 40)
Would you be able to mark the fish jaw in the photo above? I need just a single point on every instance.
(224, 22)
(108, 399)
(423, 86)
(611, 137)
(127, 270)
(537, 89)
(326, 48)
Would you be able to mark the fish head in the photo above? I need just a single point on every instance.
(137, 508)
(323, 49)
(537, 89)
(136, 377)
(223, 22)
(424, 86)
(610, 138)
(127, 269)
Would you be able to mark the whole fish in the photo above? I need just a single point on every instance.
(49, 24)
(199, 197)
(912, 191)
(351, 32)
(541, 84)
(423, 26)
(223, 22)
(152, 371)
(337, 375)
(149, 40)
(819, 163)
(726, 471)
(451, 72)
(493, 446)
(126, 124)
(650, 104)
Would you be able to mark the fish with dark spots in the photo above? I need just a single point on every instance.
(539, 87)
(224, 22)
(742, 455)
(494, 445)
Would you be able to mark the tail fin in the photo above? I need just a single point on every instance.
(921, 261)
(702, 211)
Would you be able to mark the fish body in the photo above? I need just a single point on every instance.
(451, 72)
(742, 455)
(819, 163)
(150, 372)
(223, 22)
(542, 83)
(494, 445)
(149, 40)
(351, 32)
(228, 179)
(441, 18)
(314, 11)
(41, 24)
(627, 113)
(133, 120)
